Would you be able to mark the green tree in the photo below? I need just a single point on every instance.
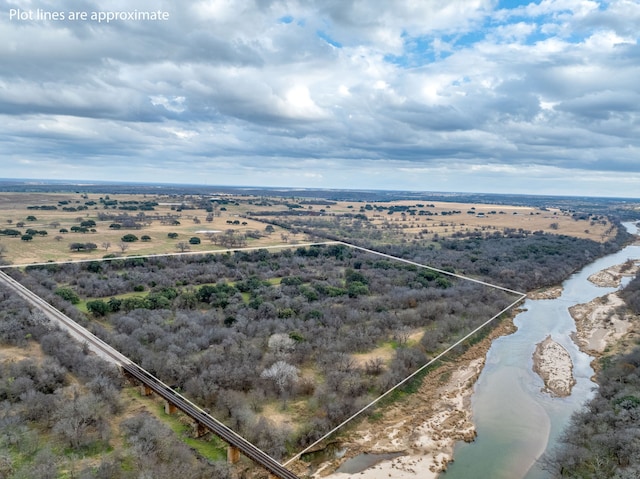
(115, 304)
(129, 238)
(356, 289)
(68, 294)
(98, 307)
(76, 246)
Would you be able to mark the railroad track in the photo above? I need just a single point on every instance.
(161, 389)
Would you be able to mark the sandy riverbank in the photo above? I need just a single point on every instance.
(551, 292)
(612, 277)
(600, 324)
(603, 322)
(424, 426)
(552, 362)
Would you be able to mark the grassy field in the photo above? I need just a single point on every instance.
(54, 246)
(447, 218)
(399, 221)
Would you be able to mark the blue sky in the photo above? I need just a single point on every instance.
(435, 95)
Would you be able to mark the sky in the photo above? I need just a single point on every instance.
(489, 96)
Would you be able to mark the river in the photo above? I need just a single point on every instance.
(515, 421)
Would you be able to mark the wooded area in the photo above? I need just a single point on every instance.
(513, 258)
(281, 346)
(602, 440)
(63, 412)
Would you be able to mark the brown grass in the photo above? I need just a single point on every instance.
(492, 218)
(15, 353)
(466, 217)
(13, 209)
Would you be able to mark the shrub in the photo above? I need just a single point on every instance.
(68, 294)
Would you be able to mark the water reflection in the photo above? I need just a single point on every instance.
(515, 421)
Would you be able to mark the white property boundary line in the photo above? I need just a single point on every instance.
(521, 296)
(432, 268)
(162, 255)
(297, 456)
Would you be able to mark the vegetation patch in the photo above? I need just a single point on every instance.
(236, 332)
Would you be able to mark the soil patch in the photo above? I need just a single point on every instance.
(424, 426)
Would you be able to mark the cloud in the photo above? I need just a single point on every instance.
(248, 91)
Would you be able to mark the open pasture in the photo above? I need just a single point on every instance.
(161, 224)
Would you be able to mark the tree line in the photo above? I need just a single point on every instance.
(603, 439)
(237, 332)
(516, 259)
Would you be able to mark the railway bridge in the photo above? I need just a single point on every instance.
(237, 444)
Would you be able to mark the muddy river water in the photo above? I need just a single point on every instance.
(515, 421)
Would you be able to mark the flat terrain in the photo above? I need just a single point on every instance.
(167, 216)
(226, 221)
(338, 325)
(292, 343)
(410, 221)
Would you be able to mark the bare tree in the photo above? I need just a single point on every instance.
(281, 344)
(123, 246)
(106, 245)
(374, 366)
(183, 246)
(80, 419)
(401, 335)
(284, 375)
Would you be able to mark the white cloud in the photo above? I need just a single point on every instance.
(446, 86)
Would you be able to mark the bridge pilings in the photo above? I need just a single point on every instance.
(169, 407)
(233, 454)
(199, 429)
